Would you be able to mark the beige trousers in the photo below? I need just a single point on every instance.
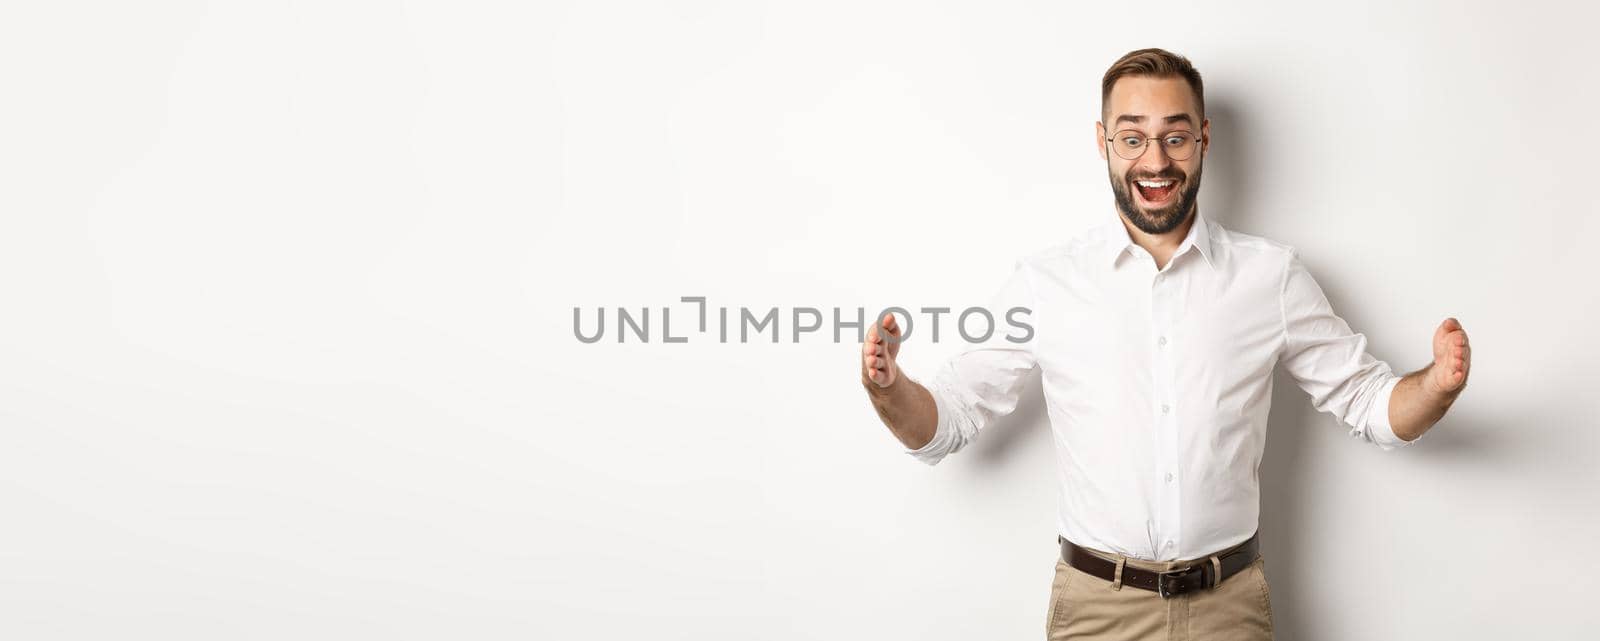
(1088, 608)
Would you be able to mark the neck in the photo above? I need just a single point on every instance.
(1160, 246)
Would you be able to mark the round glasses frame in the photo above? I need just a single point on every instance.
(1143, 146)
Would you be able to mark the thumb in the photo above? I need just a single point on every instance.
(1449, 325)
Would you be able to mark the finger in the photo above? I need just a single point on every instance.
(889, 322)
(1451, 324)
(1441, 335)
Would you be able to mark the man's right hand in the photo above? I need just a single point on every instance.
(880, 351)
(906, 407)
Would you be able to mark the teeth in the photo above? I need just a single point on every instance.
(1154, 185)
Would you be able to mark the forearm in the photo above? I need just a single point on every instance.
(907, 408)
(1414, 407)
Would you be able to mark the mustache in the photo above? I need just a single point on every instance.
(1175, 176)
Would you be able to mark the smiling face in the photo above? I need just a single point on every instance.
(1154, 192)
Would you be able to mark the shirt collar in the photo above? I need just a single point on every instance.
(1117, 239)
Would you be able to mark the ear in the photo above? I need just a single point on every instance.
(1205, 136)
(1100, 139)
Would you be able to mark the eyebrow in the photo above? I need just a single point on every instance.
(1139, 119)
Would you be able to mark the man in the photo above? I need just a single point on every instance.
(1157, 334)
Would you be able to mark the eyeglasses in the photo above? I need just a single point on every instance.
(1129, 144)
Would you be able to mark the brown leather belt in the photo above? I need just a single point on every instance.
(1200, 575)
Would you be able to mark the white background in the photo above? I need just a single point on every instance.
(287, 336)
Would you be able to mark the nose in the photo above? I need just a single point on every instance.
(1154, 159)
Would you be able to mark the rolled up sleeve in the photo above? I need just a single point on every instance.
(983, 381)
(947, 438)
(1331, 363)
(1379, 430)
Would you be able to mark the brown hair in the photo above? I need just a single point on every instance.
(1153, 62)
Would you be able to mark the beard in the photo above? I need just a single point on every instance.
(1159, 220)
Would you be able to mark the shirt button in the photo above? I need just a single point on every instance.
(1162, 341)
(1169, 477)
(1164, 408)
(1169, 543)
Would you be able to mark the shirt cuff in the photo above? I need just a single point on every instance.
(938, 446)
(1379, 428)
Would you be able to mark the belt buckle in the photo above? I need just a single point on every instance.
(1161, 579)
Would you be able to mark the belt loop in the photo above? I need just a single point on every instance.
(1116, 579)
(1216, 570)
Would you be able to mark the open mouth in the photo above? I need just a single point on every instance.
(1156, 192)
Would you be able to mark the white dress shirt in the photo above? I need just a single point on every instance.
(1158, 382)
